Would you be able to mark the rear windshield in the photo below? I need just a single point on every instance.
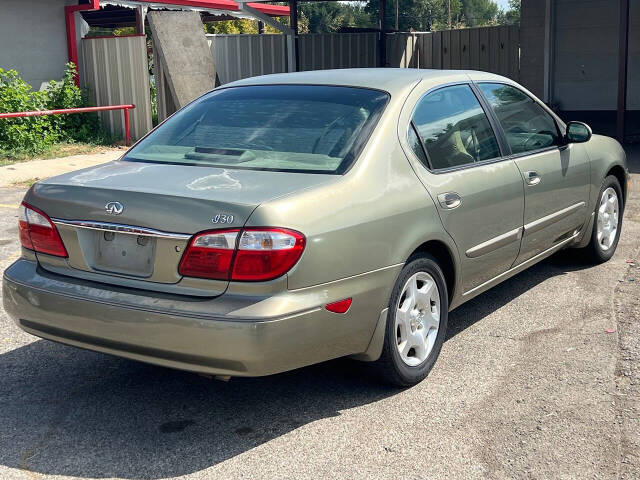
(297, 128)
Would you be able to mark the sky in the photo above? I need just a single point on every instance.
(503, 4)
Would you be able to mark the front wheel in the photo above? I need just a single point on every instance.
(416, 323)
(607, 222)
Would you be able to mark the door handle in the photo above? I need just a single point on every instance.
(449, 200)
(532, 177)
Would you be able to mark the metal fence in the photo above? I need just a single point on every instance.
(492, 49)
(242, 56)
(115, 70)
(337, 50)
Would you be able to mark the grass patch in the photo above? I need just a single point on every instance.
(56, 150)
(26, 183)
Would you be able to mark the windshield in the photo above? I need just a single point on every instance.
(297, 128)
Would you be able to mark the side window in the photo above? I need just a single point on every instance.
(454, 128)
(526, 124)
(414, 143)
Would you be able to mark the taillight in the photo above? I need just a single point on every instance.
(266, 253)
(37, 232)
(260, 254)
(209, 255)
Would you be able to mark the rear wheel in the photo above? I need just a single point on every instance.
(607, 221)
(416, 323)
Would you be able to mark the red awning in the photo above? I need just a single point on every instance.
(230, 5)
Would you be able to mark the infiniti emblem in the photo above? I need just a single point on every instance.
(114, 208)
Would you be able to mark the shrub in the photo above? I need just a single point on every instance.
(30, 134)
(33, 135)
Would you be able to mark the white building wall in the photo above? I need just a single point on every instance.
(33, 39)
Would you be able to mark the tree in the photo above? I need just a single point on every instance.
(511, 16)
(241, 25)
(418, 15)
(334, 16)
(480, 12)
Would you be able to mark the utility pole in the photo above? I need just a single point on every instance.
(449, 14)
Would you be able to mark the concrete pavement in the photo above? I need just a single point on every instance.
(529, 384)
(40, 169)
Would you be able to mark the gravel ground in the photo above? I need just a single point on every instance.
(529, 384)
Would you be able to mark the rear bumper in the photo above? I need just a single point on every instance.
(239, 335)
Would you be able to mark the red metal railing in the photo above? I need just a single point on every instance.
(69, 111)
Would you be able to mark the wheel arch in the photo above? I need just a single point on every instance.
(445, 259)
(619, 172)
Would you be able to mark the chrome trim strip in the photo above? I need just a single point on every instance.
(494, 243)
(119, 228)
(518, 268)
(544, 222)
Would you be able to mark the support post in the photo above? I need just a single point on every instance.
(260, 27)
(127, 127)
(293, 23)
(140, 14)
(382, 41)
(623, 59)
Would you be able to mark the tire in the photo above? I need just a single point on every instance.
(403, 370)
(601, 249)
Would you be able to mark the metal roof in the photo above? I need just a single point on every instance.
(212, 6)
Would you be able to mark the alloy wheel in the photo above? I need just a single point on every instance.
(417, 318)
(608, 211)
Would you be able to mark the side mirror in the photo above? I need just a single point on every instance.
(578, 132)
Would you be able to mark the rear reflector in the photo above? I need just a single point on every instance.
(261, 254)
(37, 232)
(341, 306)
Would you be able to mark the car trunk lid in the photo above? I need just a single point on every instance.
(128, 223)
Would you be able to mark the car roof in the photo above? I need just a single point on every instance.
(392, 80)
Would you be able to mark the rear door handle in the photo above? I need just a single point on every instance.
(449, 200)
(532, 177)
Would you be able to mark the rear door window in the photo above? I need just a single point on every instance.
(526, 124)
(454, 129)
(301, 128)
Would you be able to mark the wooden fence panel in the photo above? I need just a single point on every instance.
(455, 49)
(465, 59)
(484, 50)
(474, 48)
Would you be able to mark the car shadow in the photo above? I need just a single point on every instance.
(71, 412)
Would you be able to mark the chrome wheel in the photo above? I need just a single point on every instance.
(417, 318)
(608, 211)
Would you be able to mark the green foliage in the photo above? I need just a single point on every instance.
(33, 135)
(511, 16)
(480, 12)
(326, 17)
(241, 25)
(419, 15)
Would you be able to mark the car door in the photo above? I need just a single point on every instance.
(479, 195)
(556, 175)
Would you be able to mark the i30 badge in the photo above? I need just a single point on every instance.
(114, 208)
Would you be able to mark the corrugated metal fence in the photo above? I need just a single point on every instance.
(491, 49)
(337, 50)
(242, 56)
(115, 70)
